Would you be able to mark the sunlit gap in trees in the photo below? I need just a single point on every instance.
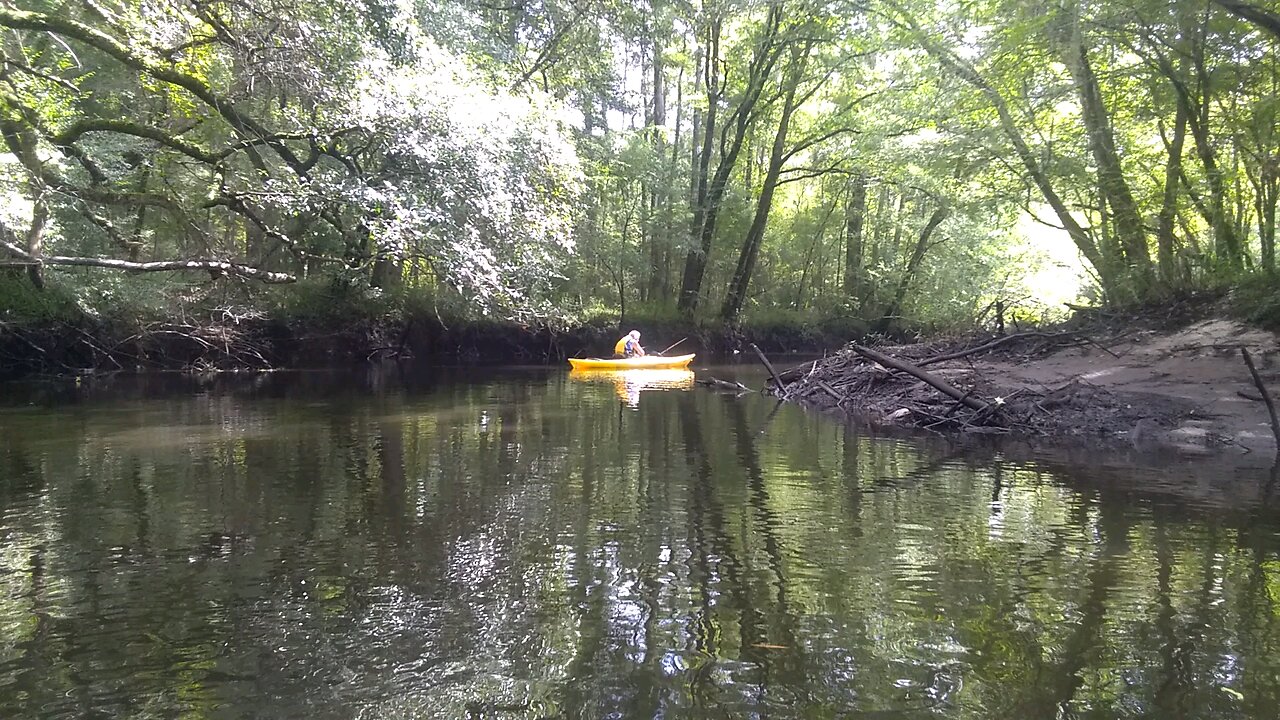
(1054, 273)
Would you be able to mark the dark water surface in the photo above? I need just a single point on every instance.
(527, 544)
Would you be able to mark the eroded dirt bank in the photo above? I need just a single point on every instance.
(207, 343)
(1183, 387)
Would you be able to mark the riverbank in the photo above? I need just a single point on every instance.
(224, 340)
(1175, 383)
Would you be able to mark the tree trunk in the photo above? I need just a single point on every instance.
(854, 218)
(134, 244)
(873, 251)
(707, 212)
(388, 274)
(1265, 195)
(1165, 239)
(1113, 187)
(695, 152)
(965, 71)
(696, 261)
(777, 158)
(1259, 16)
(35, 238)
(1227, 246)
(913, 266)
(1263, 175)
(660, 193)
(899, 209)
(23, 144)
(803, 285)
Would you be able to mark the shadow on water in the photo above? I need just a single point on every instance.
(514, 543)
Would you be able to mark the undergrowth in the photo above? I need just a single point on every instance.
(21, 303)
(1256, 300)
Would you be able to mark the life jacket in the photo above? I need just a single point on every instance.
(620, 349)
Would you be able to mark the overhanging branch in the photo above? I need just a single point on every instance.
(224, 266)
(65, 27)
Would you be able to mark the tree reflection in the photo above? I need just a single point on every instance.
(520, 548)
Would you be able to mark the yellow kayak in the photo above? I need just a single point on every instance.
(631, 363)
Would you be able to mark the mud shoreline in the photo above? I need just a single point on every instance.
(1178, 387)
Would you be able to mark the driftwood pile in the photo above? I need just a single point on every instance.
(892, 385)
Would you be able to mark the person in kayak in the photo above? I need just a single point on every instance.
(629, 345)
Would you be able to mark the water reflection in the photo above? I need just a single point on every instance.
(627, 384)
(515, 547)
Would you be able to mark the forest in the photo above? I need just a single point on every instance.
(205, 174)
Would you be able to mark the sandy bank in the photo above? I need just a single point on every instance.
(1184, 389)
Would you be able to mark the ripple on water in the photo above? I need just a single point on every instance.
(505, 548)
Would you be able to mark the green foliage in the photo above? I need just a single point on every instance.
(314, 137)
(331, 302)
(803, 329)
(1257, 300)
(85, 295)
(22, 303)
(134, 298)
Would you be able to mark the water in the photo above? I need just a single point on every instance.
(527, 544)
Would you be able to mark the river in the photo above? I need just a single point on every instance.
(526, 543)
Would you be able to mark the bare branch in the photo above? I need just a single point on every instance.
(229, 268)
(809, 142)
(807, 173)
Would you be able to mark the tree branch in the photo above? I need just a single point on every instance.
(78, 129)
(64, 84)
(938, 383)
(1261, 17)
(156, 266)
(809, 142)
(553, 43)
(57, 25)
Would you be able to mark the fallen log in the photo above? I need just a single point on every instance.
(936, 382)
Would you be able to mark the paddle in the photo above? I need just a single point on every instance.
(664, 352)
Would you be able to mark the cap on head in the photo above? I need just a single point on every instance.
(635, 334)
